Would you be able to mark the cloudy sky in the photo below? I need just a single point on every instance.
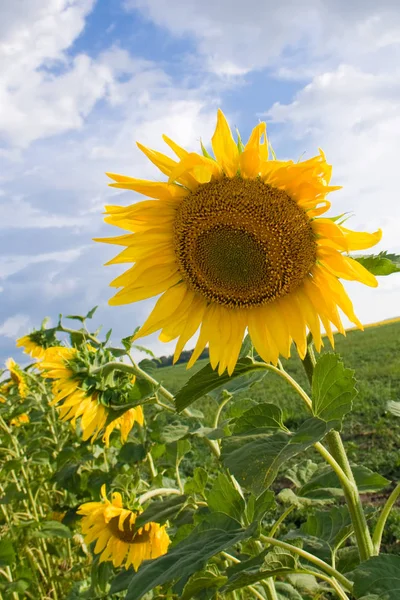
(81, 81)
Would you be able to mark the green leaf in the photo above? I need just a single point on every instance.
(394, 408)
(76, 318)
(50, 529)
(197, 483)
(333, 389)
(189, 556)
(205, 151)
(172, 433)
(263, 504)
(267, 564)
(325, 484)
(255, 459)
(91, 312)
(380, 264)
(162, 510)
(247, 347)
(301, 473)
(225, 498)
(132, 453)
(207, 380)
(324, 531)
(199, 582)
(260, 417)
(7, 554)
(378, 575)
(285, 591)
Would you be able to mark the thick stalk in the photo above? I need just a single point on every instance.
(377, 537)
(352, 497)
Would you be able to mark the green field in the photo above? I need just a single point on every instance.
(371, 433)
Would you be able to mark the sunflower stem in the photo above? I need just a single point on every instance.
(349, 486)
(377, 536)
(346, 583)
(157, 492)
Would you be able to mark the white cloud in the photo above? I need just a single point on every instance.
(15, 326)
(10, 265)
(236, 36)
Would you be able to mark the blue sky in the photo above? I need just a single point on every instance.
(83, 80)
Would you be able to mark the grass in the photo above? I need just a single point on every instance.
(371, 434)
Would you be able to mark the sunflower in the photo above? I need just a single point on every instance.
(17, 376)
(237, 242)
(30, 347)
(4, 389)
(35, 343)
(20, 420)
(117, 538)
(76, 398)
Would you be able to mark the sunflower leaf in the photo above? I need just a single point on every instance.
(255, 459)
(224, 497)
(7, 553)
(162, 510)
(380, 264)
(378, 577)
(324, 484)
(333, 389)
(207, 380)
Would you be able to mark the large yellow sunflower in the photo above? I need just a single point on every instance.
(17, 376)
(117, 538)
(235, 242)
(74, 401)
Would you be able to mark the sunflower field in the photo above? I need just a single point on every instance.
(264, 466)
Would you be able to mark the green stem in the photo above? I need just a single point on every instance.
(349, 486)
(346, 583)
(158, 492)
(219, 411)
(269, 587)
(377, 537)
(278, 523)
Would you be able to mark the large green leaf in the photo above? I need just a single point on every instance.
(324, 531)
(162, 510)
(209, 538)
(207, 380)
(333, 389)
(380, 576)
(198, 482)
(380, 264)
(225, 498)
(260, 417)
(255, 459)
(325, 485)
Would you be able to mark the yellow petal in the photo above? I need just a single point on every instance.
(327, 229)
(191, 325)
(179, 151)
(167, 165)
(360, 240)
(224, 146)
(152, 189)
(346, 267)
(129, 294)
(165, 307)
(201, 168)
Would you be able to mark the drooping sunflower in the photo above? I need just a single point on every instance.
(35, 343)
(117, 539)
(77, 394)
(236, 242)
(17, 376)
(20, 420)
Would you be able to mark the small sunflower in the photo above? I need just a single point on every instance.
(17, 376)
(35, 343)
(20, 420)
(78, 394)
(4, 390)
(236, 242)
(117, 538)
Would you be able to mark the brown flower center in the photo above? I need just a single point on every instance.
(243, 243)
(130, 533)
